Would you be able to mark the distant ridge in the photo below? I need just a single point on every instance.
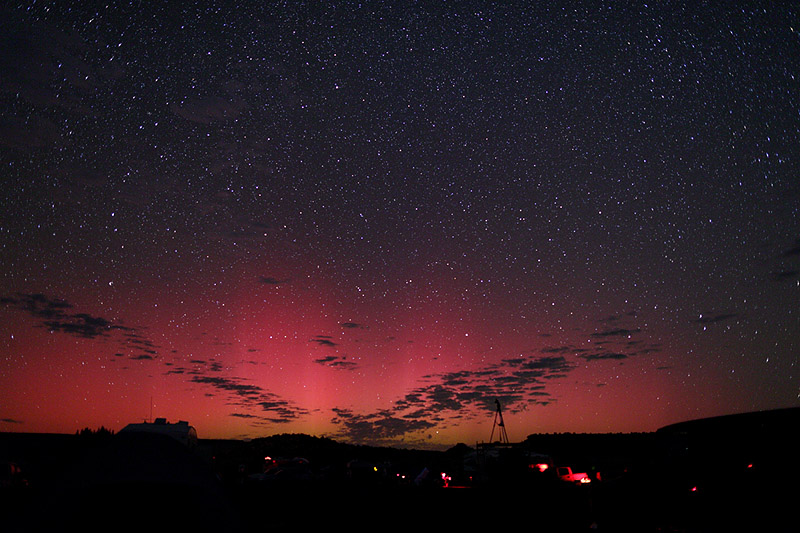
(775, 420)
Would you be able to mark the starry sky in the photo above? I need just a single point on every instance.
(369, 220)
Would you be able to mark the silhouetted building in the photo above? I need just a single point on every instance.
(180, 431)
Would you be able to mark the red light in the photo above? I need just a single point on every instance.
(750, 465)
(694, 489)
(541, 467)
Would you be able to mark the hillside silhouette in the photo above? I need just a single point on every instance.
(702, 475)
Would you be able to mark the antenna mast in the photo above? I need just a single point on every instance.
(499, 424)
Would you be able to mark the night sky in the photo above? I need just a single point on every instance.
(368, 221)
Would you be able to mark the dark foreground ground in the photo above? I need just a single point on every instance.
(181, 506)
(680, 482)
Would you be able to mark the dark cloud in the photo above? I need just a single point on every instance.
(269, 280)
(234, 385)
(786, 272)
(653, 348)
(225, 222)
(794, 250)
(465, 394)
(283, 412)
(38, 305)
(616, 318)
(548, 363)
(620, 332)
(784, 275)
(324, 340)
(11, 421)
(198, 367)
(81, 324)
(350, 325)
(443, 398)
(336, 361)
(378, 428)
(603, 355)
(567, 349)
(249, 396)
(614, 343)
(557, 349)
(56, 315)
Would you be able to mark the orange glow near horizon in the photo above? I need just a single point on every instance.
(257, 374)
